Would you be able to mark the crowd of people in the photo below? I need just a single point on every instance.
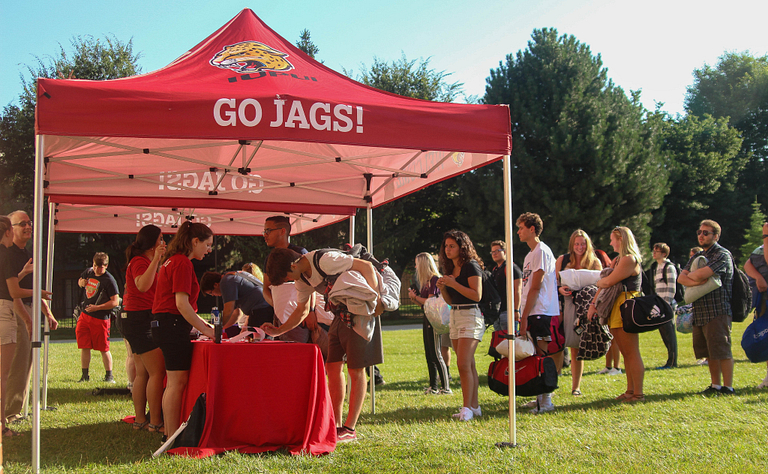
(546, 311)
(292, 300)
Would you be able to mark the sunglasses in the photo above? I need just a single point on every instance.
(705, 233)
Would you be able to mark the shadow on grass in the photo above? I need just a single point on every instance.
(78, 395)
(80, 445)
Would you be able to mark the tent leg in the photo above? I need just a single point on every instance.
(49, 287)
(510, 304)
(351, 239)
(369, 221)
(36, 296)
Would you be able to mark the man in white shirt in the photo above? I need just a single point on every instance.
(539, 300)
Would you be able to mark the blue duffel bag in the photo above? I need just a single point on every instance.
(755, 339)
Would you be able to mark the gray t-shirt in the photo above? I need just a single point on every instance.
(244, 289)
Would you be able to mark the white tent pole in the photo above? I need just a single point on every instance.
(369, 222)
(36, 295)
(510, 302)
(49, 287)
(351, 230)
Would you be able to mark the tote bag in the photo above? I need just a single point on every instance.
(438, 314)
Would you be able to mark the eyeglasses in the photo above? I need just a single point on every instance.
(267, 231)
(494, 252)
(705, 233)
(23, 224)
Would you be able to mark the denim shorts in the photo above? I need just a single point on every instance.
(467, 323)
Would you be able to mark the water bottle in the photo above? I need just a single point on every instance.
(217, 326)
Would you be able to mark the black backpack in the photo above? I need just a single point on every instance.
(741, 295)
(490, 303)
(650, 275)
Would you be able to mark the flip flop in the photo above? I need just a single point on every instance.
(576, 393)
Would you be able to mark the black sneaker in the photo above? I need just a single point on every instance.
(727, 391)
(711, 391)
(110, 378)
(85, 378)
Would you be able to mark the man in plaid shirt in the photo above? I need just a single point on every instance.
(712, 312)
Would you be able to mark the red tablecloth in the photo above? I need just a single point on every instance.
(260, 397)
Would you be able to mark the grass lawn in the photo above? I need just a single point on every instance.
(675, 430)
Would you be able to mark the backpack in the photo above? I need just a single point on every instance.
(357, 251)
(741, 295)
(649, 276)
(533, 376)
(490, 302)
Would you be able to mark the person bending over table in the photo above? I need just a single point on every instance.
(285, 264)
(175, 313)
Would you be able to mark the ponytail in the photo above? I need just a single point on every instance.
(182, 241)
(145, 240)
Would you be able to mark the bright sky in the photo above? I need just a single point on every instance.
(653, 45)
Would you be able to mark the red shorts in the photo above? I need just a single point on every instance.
(92, 333)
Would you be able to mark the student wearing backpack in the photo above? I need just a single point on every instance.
(462, 287)
(712, 312)
(344, 338)
(662, 277)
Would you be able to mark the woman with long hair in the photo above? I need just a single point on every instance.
(143, 257)
(427, 275)
(581, 256)
(462, 287)
(175, 312)
(627, 272)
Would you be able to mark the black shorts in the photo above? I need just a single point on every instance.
(137, 331)
(343, 340)
(540, 327)
(172, 336)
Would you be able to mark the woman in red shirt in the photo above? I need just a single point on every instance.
(143, 257)
(175, 312)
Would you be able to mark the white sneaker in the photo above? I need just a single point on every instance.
(476, 411)
(465, 414)
(614, 371)
(544, 409)
(604, 371)
(702, 361)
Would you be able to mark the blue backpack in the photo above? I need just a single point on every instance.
(754, 341)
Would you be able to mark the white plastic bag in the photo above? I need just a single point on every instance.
(523, 348)
(438, 314)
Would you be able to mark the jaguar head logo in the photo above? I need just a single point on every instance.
(250, 57)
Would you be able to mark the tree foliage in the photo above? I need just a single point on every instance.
(737, 88)
(410, 78)
(753, 235)
(584, 154)
(305, 44)
(703, 161)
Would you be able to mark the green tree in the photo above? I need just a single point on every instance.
(737, 87)
(584, 154)
(411, 78)
(414, 223)
(753, 235)
(703, 160)
(89, 58)
(305, 44)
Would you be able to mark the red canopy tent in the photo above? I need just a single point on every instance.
(246, 121)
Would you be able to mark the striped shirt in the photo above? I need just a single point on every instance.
(665, 290)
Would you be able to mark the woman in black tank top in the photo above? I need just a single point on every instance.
(627, 271)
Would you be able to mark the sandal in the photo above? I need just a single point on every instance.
(624, 396)
(638, 397)
(156, 428)
(140, 425)
(9, 433)
(576, 393)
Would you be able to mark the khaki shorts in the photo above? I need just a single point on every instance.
(8, 323)
(713, 340)
(467, 324)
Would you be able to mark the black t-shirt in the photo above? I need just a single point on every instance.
(499, 274)
(98, 290)
(5, 294)
(13, 261)
(469, 269)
